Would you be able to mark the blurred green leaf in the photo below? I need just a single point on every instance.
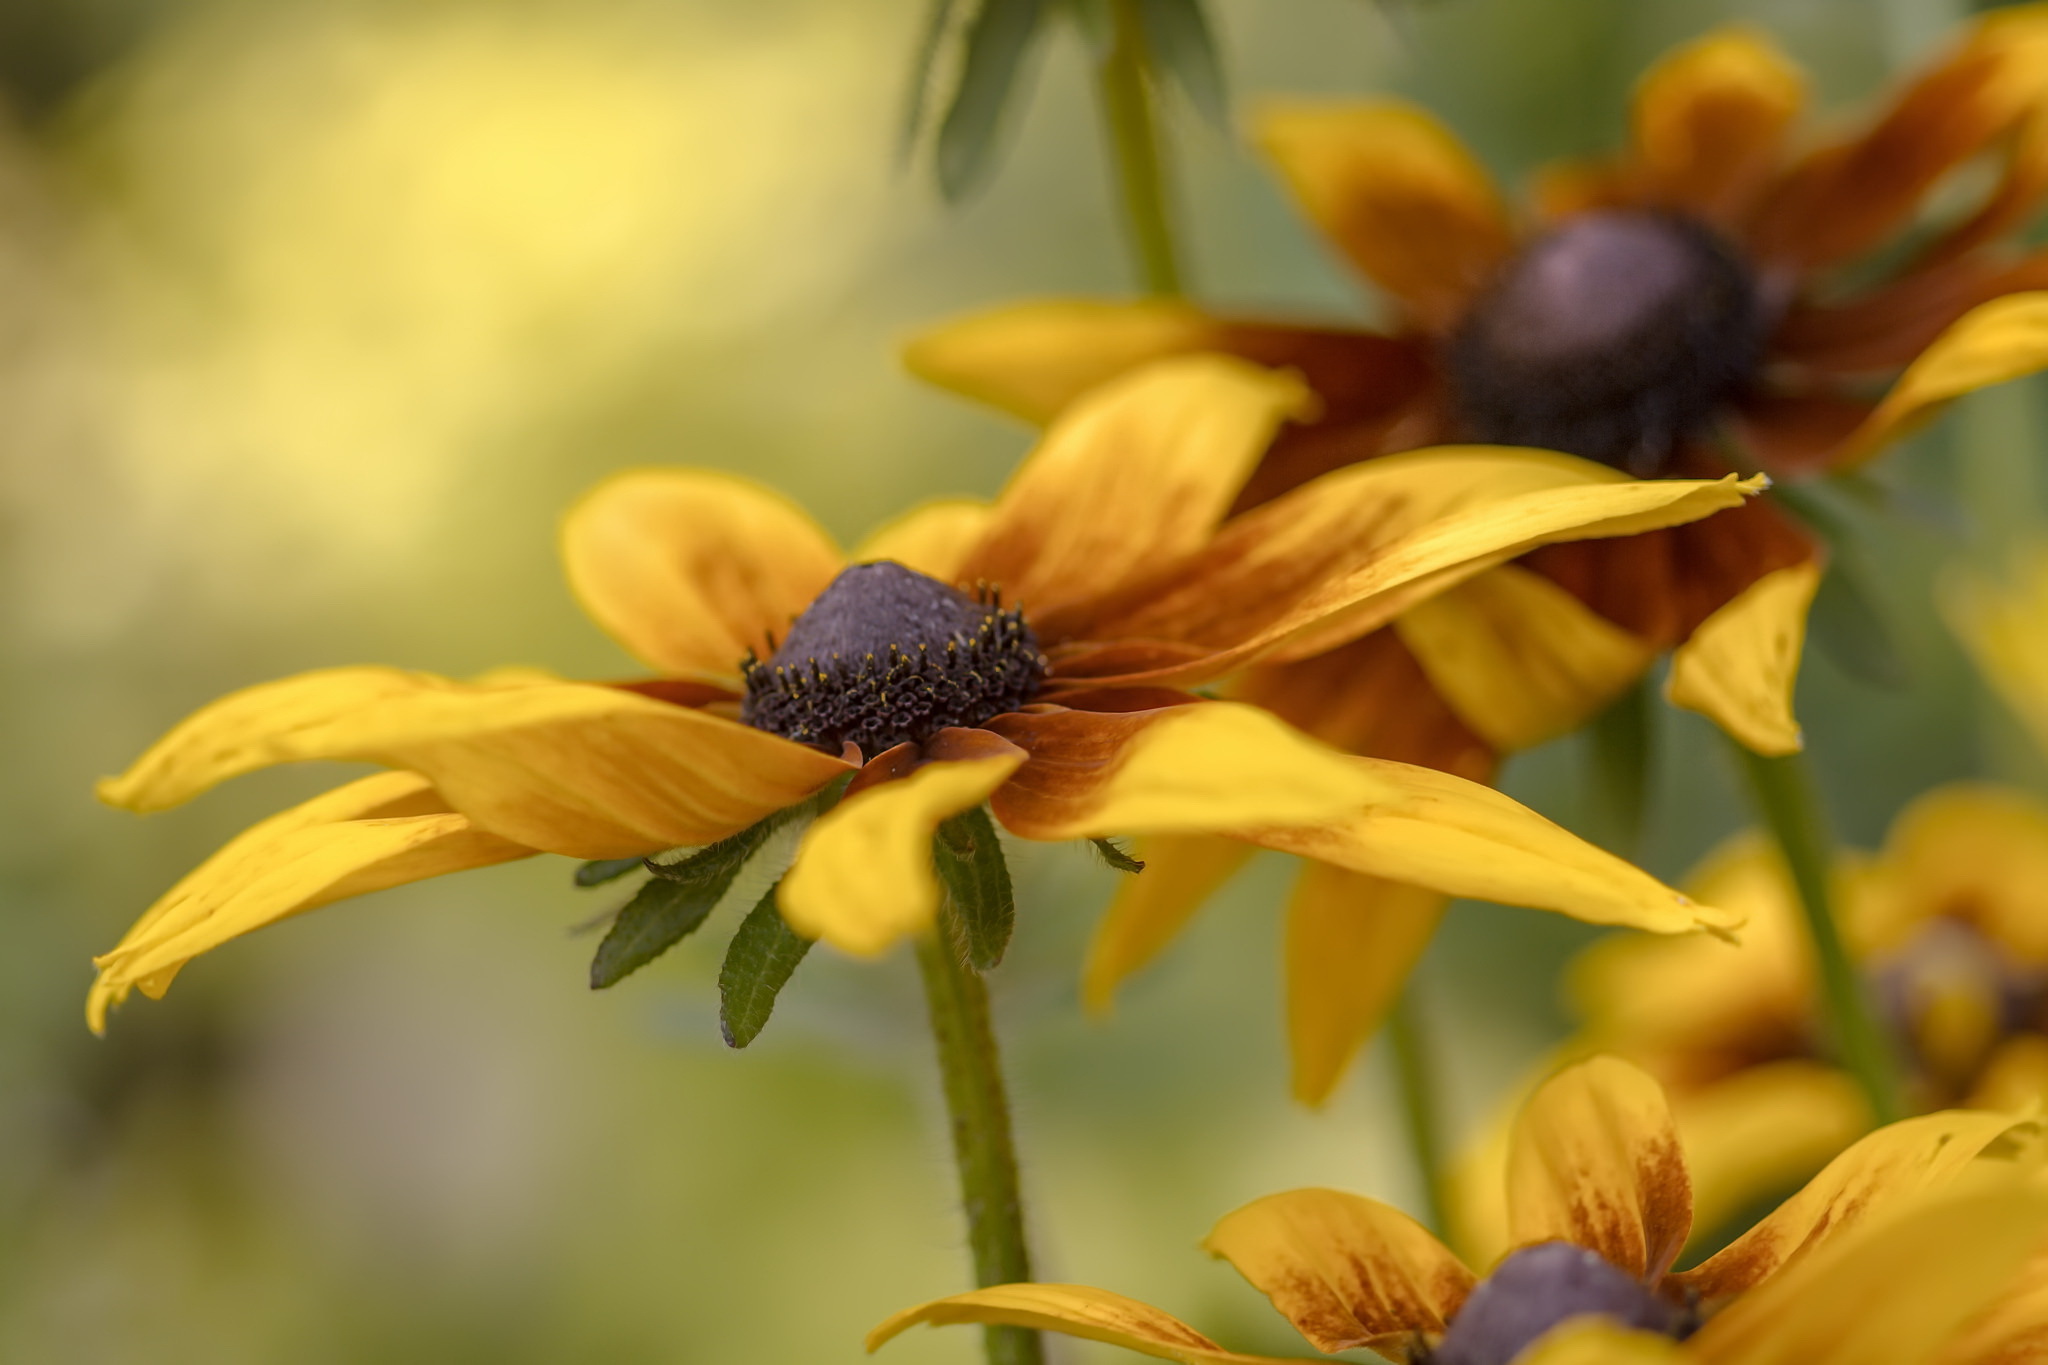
(977, 881)
(1096, 22)
(605, 870)
(1848, 624)
(1179, 42)
(673, 903)
(1114, 855)
(938, 21)
(1619, 753)
(997, 41)
(758, 964)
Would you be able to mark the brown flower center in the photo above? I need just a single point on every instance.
(1953, 994)
(1538, 1287)
(886, 655)
(1615, 336)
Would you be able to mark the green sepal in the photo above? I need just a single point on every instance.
(606, 870)
(758, 964)
(977, 882)
(673, 903)
(1179, 42)
(998, 40)
(1114, 855)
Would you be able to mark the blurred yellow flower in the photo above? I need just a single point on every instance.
(1600, 1204)
(1065, 712)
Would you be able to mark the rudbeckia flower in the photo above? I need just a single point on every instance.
(1909, 1247)
(1031, 654)
(1668, 311)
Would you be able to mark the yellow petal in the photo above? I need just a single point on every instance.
(1078, 1311)
(933, 538)
(1596, 1341)
(574, 768)
(1033, 359)
(1979, 852)
(1345, 1270)
(379, 832)
(1197, 769)
(1520, 659)
(1351, 942)
(1739, 667)
(1397, 194)
(1181, 872)
(1897, 1293)
(1595, 1160)
(2015, 1080)
(2015, 1329)
(863, 875)
(1710, 121)
(1866, 1185)
(690, 569)
(2000, 623)
(1763, 1130)
(1133, 477)
(1465, 839)
(1992, 343)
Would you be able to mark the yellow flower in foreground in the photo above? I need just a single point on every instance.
(1909, 1248)
(1064, 712)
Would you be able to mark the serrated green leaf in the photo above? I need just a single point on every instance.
(758, 964)
(1116, 857)
(977, 881)
(998, 40)
(606, 870)
(918, 97)
(1179, 42)
(673, 903)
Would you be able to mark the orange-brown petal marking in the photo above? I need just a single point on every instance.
(1078, 1310)
(1887, 328)
(1397, 194)
(1595, 1161)
(691, 569)
(1346, 1271)
(1710, 121)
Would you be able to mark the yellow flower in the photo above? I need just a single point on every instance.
(1065, 713)
(1908, 1248)
(2003, 622)
(1679, 292)
(1949, 922)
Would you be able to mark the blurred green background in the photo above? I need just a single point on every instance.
(313, 315)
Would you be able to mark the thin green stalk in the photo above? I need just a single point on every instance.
(1420, 1104)
(1128, 110)
(982, 1145)
(1790, 805)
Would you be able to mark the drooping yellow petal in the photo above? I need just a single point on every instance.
(1465, 839)
(1711, 118)
(1598, 1341)
(1520, 659)
(574, 768)
(1351, 942)
(1397, 194)
(1899, 1292)
(2004, 339)
(2001, 624)
(863, 875)
(690, 568)
(933, 538)
(1181, 872)
(1078, 1311)
(1345, 1270)
(1865, 1185)
(1033, 359)
(1133, 477)
(1203, 768)
(1764, 1130)
(379, 832)
(1975, 851)
(1595, 1160)
(1739, 667)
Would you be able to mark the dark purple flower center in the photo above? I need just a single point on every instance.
(1538, 1287)
(886, 654)
(1954, 994)
(1614, 336)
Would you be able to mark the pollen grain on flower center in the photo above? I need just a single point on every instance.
(1614, 336)
(1537, 1288)
(887, 655)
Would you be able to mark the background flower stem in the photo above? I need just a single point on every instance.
(982, 1145)
(1414, 1063)
(1786, 798)
(1127, 96)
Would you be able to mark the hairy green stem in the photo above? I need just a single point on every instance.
(982, 1145)
(1421, 1114)
(1790, 805)
(1128, 109)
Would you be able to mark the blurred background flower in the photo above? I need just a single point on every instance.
(310, 309)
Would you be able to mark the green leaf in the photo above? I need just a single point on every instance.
(606, 870)
(1179, 42)
(997, 41)
(758, 965)
(917, 104)
(673, 903)
(977, 881)
(1618, 750)
(1116, 857)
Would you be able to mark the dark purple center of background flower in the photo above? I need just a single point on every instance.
(1538, 1287)
(886, 654)
(1615, 336)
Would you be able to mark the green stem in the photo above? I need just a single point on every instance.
(1786, 798)
(1127, 108)
(1420, 1103)
(982, 1146)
